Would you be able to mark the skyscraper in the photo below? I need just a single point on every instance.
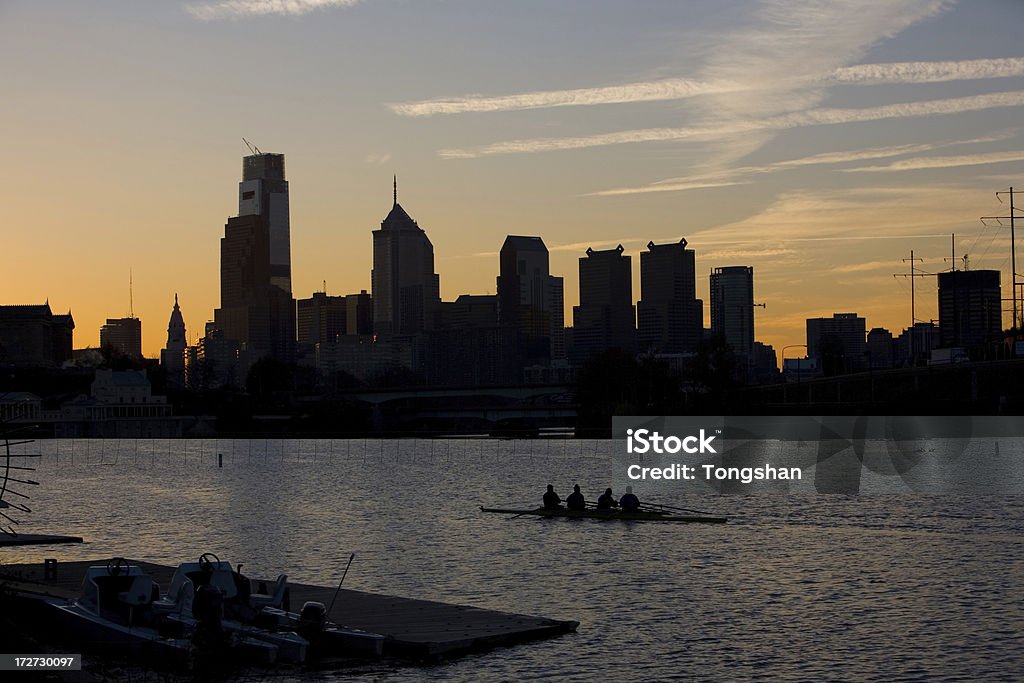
(670, 317)
(256, 306)
(123, 335)
(263, 192)
(530, 299)
(732, 307)
(970, 310)
(172, 357)
(606, 317)
(406, 291)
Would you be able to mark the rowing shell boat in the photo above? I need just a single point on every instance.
(639, 516)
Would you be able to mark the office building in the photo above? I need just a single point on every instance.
(257, 310)
(880, 348)
(263, 192)
(732, 307)
(32, 336)
(970, 308)
(406, 290)
(359, 313)
(122, 335)
(914, 345)
(838, 343)
(320, 318)
(670, 317)
(469, 347)
(606, 317)
(531, 300)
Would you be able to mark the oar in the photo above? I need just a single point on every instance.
(338, 590)
(658, 506)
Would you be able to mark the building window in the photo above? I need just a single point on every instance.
(249, 194)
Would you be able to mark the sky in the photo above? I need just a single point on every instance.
(817, 141)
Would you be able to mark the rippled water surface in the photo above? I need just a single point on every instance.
(797, 587)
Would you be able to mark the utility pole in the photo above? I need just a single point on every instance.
(913, 310)
(912, 274)
(1013, 250)
(952, 253)
(953, 258)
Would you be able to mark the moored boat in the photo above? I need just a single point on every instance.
(263, 615)
(326, 638)
(113, 612)
(646, 515)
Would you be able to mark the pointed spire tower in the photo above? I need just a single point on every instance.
(406, 290)
(172, 357)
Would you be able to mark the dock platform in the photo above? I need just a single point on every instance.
(415, 629)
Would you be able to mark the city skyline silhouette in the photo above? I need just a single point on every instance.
(759, 135)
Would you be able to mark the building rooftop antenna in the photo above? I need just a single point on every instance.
(131, 302)
(252, 148)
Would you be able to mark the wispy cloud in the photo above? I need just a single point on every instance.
(230, 9)
(682, 88)
(734, 176)
(920, 163)
(867, 267)
(929, 72)
(893, 213)
(666, 187)
(733, 254)
(649, 91)
(378, 159)
(814, 117)
(790, 46)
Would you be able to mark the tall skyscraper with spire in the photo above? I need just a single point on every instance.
(257, 310)
(406, 290)
(172, 356)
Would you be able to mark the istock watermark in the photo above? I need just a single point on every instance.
(643, 441)
(827, 454)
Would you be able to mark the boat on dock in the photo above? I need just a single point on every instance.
(261, 615)
(113, 613)
(326, 638)
(647, 515)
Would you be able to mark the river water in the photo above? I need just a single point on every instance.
(799, 587)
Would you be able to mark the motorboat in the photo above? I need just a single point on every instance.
(195, 585)
(263, 614)
(114, 611)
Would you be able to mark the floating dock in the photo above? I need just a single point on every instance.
(415, 629)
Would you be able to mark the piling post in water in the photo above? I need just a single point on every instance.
(220, 460)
